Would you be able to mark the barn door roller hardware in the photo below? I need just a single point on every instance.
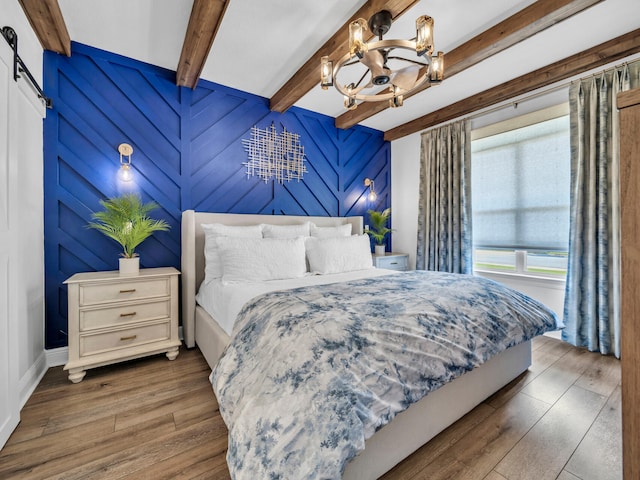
(19, 67)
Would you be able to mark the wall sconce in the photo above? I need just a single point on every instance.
(373, 196)
(125, 174)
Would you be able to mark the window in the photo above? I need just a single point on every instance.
(520, 182)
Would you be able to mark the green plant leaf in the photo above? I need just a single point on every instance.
(378, 229)
(125, 219)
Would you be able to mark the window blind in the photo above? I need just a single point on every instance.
(520, 187)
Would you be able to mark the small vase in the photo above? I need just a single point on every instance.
(379, 250)
(129, 266)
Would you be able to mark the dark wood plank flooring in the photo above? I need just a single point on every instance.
(155, 419)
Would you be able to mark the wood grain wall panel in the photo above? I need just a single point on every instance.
(188, 154)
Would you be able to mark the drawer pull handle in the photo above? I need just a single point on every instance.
(394, 263)
(130, 337)
(131, 290)
(128, 314)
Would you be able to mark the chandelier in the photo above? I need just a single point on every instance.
(383, 70)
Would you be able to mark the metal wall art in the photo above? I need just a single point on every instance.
(274, 156)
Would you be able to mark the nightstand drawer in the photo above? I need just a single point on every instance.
(392, 262)
(94, 294)
(125, 338)
(122, 314)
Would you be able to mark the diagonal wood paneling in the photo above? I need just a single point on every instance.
(187, 154)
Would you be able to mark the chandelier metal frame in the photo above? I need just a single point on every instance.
(431, 68)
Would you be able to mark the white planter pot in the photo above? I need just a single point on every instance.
(129, 266)
(379, 249)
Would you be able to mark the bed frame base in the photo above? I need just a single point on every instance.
(414, 427)
(210, 337)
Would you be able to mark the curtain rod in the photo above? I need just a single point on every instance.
(10, 35)
(514, 103)
(542, 93)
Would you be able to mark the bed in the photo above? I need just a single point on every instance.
(410, 429)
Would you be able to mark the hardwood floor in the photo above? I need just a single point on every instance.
(155, 419)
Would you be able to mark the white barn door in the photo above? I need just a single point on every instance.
(9, 401)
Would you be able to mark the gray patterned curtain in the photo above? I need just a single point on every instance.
(592, 297)
(444, 212)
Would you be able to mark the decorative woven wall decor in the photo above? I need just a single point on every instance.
(274, 156)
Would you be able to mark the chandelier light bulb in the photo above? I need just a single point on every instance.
(424, 35)
(349, 101)
(326, 72)
(357, 45)
(436, 72)
(396, 101)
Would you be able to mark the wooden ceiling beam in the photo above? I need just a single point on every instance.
(518, 27)
(308, 76)
(47, 22)
(206, 17)
(611, 51)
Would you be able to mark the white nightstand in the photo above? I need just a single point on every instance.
(113, 318)
(392, 261)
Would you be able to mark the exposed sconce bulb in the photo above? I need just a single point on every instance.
(125, 173)
(372, 196)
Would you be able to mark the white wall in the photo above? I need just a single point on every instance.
(405, 173)
(405, 179)
(23, 204)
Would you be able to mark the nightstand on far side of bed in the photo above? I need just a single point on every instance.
(391, 261)
(114, 318)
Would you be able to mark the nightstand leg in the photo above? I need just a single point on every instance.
(172, 354)
(76, 374)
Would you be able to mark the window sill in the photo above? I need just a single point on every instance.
(547, 281)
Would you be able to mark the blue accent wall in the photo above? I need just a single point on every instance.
(188, 154)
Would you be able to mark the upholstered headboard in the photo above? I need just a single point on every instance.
(192, 258)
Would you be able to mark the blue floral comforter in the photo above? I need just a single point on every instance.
(312, 372)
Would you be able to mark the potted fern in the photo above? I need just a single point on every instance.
(378, 229)
(125, 219)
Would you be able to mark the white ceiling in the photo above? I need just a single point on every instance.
(261, 44)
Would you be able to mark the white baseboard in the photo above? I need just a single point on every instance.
(57, 356)
(31, 379)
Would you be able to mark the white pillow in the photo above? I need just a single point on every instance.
(339, 254)
(259, 260)
(285, 231)
(213, 265)
(328, 232)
